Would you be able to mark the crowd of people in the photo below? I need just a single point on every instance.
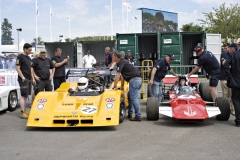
(36, 72)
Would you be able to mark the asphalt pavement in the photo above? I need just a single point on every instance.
(146, 140)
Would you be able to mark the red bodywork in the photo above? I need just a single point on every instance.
(187, 107)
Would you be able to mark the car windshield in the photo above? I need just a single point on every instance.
(185, 90)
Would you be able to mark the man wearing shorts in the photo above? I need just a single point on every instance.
(210, 64)
(23, 67)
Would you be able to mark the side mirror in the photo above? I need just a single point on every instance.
(70, 90)
(101, 89)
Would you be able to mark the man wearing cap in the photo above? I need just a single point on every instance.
(40, 67)
(157, 73)
(232, 69)
(129, 57)
(59, 63)
(89, 60)
(130, 74)
(238, 46)
(210, 64)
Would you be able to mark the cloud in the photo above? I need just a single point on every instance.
(215, 2)
(27, 1)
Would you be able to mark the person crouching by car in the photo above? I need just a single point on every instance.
(40, 67)
(130, 74)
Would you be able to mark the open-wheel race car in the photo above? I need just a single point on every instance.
(185, 103)
(70, 106)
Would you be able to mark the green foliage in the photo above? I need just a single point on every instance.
(96, 38)
(6, 33)
(149, 16)
(191, 27)
(225, 20)
(40, 41)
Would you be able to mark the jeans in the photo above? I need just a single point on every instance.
(134, 85)
(157, 90)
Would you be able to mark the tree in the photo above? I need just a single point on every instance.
(225, 20)
(6, 32)
(40, 42)
(191, 27)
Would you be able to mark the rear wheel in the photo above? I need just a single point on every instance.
(205, 92)
(224, 106)
(149, 91)
(152, 108)
(12, 100)
(122, 112)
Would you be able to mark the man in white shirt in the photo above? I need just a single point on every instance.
(88, 60)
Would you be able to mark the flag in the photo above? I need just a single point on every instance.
(134, 16)
(128, 9)
(37, 12)
(124, 2)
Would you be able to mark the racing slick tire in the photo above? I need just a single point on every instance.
(224, 105)
(205, 92)
(152, 108)
(122, 110)
(12, 100)
(149, 91)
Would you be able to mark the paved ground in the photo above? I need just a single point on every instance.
(162, 139)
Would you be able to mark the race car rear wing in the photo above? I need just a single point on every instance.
(83, 72)
(170, 79)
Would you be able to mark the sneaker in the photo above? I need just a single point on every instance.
(23, 115)
(129, 116)
(26, 111)
(237, 125)
(135, 119)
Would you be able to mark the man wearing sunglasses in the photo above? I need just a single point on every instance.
(210, 64)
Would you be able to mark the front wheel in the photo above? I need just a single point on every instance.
(224, 105)
(12, 100)
(122, 111)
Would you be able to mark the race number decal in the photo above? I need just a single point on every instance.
(89, 110)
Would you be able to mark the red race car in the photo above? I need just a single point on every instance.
(185, 102)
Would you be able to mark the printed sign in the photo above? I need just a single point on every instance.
(89, 110)
(123, 41)
(110, 99)
(42, 100)
(3, 80)
(167, 41)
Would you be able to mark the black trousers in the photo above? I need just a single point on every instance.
(236, 103)
(57, 81)
(42, 85)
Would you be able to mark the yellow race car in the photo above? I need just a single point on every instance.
(68, 106)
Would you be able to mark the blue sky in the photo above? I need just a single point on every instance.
(87, 17)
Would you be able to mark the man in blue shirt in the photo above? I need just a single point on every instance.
(210, 64)
(157, 73)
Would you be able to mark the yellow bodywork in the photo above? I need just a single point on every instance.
(59, 109)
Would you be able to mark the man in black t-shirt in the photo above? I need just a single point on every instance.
(59, 63)
(23, 67)
(210, 64)
(157, 73)
(40, 67)
(130, 74)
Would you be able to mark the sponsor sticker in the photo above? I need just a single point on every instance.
(110, 99)
(42, 100)
(89, 110)
(109, 106)
(40, 106)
